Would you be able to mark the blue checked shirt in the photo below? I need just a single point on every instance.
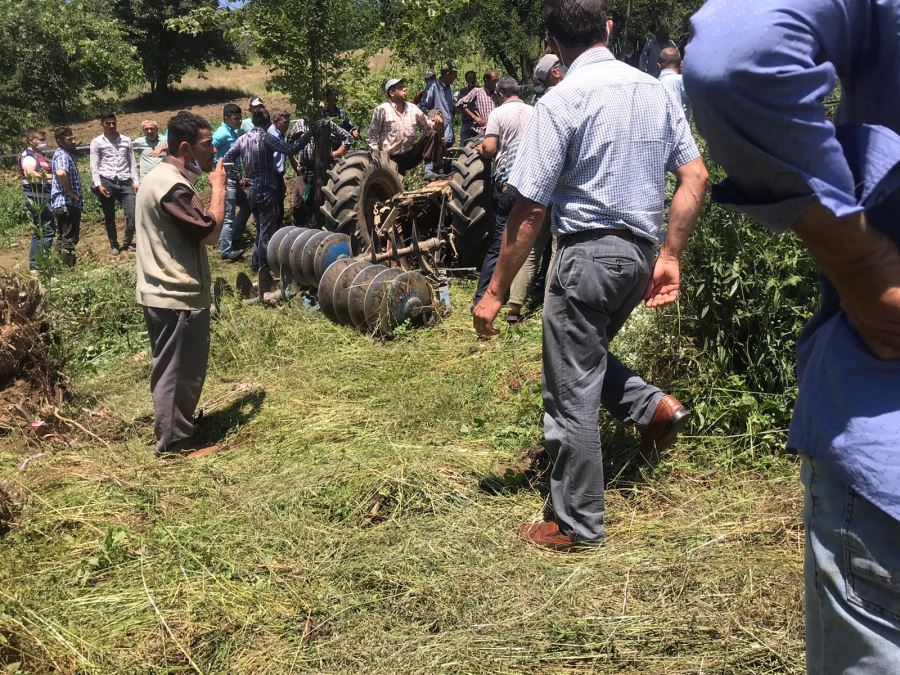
(757, 75)
(256, 150)
(440, 97)
(63, 161)
(598, 146)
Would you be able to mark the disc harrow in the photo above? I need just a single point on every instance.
(374, 297)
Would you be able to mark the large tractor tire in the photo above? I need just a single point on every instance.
(355, 183)
(472, 206)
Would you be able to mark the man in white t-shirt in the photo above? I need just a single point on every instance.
(505, 126)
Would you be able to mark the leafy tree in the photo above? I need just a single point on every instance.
(173, 36)
(62, 55)
(306, 43)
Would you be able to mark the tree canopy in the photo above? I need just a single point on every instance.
(173, 36)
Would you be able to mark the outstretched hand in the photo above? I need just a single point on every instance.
(665, 282)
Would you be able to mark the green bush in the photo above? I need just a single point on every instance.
(95, 315)
(14, 217)
(747, 293)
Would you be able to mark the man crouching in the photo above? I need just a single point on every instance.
(173, 279)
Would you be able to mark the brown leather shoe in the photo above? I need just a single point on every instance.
(669, 418)
(547, 535)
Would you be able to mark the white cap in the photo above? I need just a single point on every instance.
(393, 82)
(544, 66)
(255, 101)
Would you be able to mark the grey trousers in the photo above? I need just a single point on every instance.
(597, 281)
(179, 340)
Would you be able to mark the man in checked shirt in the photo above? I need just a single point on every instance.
(597, 149)
(256, 150)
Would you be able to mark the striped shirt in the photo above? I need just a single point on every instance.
(63, 161)
(481, 102)
(598, 147)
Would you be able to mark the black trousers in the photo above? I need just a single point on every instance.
(124, 194)
(429, 148)
(266, 212)
(68, 225)
(504, 199)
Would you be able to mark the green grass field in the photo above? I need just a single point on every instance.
(343, 527)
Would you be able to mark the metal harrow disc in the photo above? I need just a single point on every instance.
(340, 294)
(356, 299)
(272, 247)
(283, 256)
(307, 273)
(331, 248)
(409, 298)
(244, 286)
(326, 286)
(375, 296)
(296, 255)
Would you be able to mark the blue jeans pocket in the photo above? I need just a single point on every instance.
(871, 558)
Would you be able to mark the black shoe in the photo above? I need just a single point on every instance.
(131, 247)
(115, 251)
(233, 256)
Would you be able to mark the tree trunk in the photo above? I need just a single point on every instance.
(161, 86)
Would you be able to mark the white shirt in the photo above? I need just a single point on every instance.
(507, 123)
(673, 83)
(113, 160)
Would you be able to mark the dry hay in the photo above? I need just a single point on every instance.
(30, 378)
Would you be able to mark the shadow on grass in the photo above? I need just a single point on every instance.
(182, 98)
(218, 424)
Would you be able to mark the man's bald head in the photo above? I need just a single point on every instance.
(670, 58)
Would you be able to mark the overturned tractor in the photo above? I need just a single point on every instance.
(385, 255)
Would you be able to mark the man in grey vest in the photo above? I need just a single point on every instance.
(173, 229)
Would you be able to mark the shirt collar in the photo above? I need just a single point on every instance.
(186, 173)
(668, 72)
(593, 55)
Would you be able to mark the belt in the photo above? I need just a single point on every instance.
(598, 232)
(122, 181)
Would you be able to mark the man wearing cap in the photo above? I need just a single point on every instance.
(549, 72)
(440, 97)
(429, 80)
(254, 104)
(393, 130)
(478, 103)
(149, 148)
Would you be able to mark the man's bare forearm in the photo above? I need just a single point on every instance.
(522, 229)
(686, 204)
(217, 211)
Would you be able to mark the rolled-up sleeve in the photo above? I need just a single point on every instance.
(187, 211)
(542, 152)
(757, 75)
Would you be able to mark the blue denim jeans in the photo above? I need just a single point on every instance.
(237, 213)
(43, 231)
(852, 572)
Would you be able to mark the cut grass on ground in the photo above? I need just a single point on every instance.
(342, 528)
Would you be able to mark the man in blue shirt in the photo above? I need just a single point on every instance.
(440, 97)
(597, 149)
(237, 206)
(757, 75)
(281, 120)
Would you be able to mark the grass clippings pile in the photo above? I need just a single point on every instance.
(30, 377)
(343, 527)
